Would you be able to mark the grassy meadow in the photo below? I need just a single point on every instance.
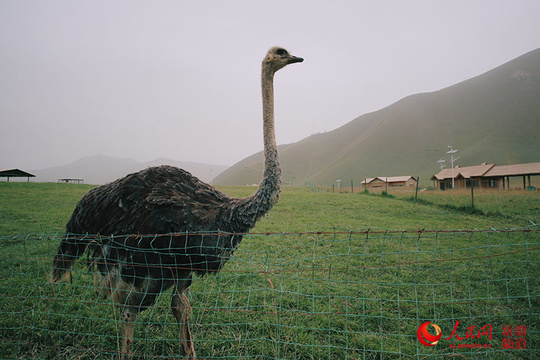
(323, 275)
(46, 207)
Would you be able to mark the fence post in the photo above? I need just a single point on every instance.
(352, 187)
(472, 195)
(417, 182)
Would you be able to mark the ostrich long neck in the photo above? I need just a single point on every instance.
(270, 187)
(252, 208)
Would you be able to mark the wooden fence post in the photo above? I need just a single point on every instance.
(472, 195)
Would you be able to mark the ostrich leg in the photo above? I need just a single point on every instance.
(182, 310)
(129, 315)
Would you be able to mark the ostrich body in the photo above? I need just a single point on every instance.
(197, 227)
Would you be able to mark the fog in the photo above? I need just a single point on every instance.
(181, 79)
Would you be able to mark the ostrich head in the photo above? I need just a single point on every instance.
(277, 58)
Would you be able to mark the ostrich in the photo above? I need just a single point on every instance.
(198, 227)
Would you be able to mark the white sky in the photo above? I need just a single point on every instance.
(181, 79)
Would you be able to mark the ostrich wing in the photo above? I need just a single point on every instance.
(157, 200)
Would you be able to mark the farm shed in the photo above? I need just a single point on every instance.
(9, 173)
(486, 176)
(73, 181)
(392, 181)
(464, 177)
(500, 176)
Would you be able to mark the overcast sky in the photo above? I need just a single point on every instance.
(181, 79)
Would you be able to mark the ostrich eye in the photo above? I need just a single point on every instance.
(281, 52)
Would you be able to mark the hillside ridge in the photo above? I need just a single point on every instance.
(492, 117)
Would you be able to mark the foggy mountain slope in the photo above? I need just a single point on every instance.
(494, 118)
(101, 169)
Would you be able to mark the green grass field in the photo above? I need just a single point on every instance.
(324, 275)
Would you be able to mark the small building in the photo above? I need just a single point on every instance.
(391, 181)
(488, 176)
(9, 173)
(73, 181)
(464, 177)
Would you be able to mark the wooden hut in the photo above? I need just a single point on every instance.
(389, 182)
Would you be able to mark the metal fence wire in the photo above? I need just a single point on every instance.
(321, 295)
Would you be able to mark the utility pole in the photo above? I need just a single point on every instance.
(452, 159)
(441, 162)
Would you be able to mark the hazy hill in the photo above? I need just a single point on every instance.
(100, 169)
(494, 118)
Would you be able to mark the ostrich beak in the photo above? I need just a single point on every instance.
(294, 59)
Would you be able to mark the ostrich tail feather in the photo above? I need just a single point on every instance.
(70, 249)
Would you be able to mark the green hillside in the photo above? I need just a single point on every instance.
(494, 118)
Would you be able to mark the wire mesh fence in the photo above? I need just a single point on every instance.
(321, 295)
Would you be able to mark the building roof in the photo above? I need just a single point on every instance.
(14, 173)
(515, 170)
(489, 170)
(397, 178)
(465, 172)
(367, 180)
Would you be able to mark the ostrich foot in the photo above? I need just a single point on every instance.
(129, 315)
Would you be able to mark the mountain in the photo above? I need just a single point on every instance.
(493, 118)
(100, 169)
